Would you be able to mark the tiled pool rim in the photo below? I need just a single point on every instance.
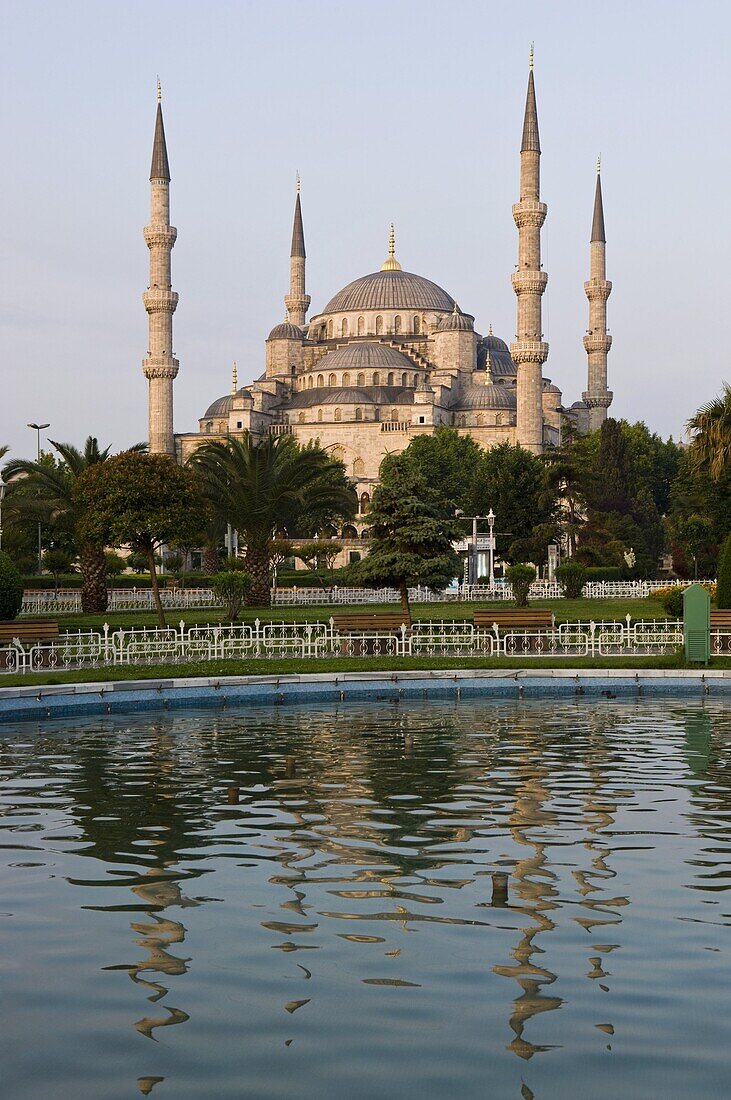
(126, 696)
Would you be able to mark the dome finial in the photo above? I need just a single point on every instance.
(159, 90)
(530, 58)
(599, 165)
(488, 368)
(455, 311)
(489, 333)
(391, 263)
(298, 183)
(234, 379)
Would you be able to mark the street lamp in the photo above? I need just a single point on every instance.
(2, 496)
(491, 545)
(37, 428)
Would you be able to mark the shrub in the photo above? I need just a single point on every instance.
(671, 597)
(572, 578)
(231, 588)
(11, 588)
(604, 573)
(723, 586)
(115, 563)
(521, 577)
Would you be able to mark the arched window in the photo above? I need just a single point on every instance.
(397, 324)
(389, 380)
(349, 532)
(365, 501)
(319, 416)
(330, 330)
(209, 426)
(376, 378)
(360, 380)
(404, 379)
(358, 468)
(364, 535)
(376, 414)
(310, 382)
(338, 416)
(358, 414)
(320, 380)
(301, 418)
(344, 327)
(332, 380)
(416, 380)
(346, 379)
(361, 326)
(417, 325)
(498, 419)
(379, 325)
(478, 420)
(394, 416)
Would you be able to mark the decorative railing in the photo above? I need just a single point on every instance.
(261, 640)
(68, 600)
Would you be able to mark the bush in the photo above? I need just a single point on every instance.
(231, 588)
(572, 578)
(671, 597)
(11, 588)
(604, 573)
(115, 563)
(521, 577)
(723, 586)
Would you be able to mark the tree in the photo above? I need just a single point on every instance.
(695, 494)
(512, 482)
(267, 487)
(447, 461)
(711, 431)
(141, 501)
(410, 535)
(572, 577)
(319, 557)
(57, 562)
(723, 588)
(521, 577)
(11, 588)
(230, 587)
(47, 487)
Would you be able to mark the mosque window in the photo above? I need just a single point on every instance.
(376, 378)
(389, 380)
(301, 418)
(330, 329)
(358, 414)
(376, 414)
(209, 426)
(360, 380)
(394, 416)
(310, 382)
(397, 324)
(319, 416)
(478, 420)
(379, 326)
(344, 327)
(361, 325)
(404, 379)
(320, 380)
(499, 419)
(239, 424)
(338, 416)
(358, 467)
(417, 325)
(346, 379)
(332, 380)
(365, 501)
(416, 380)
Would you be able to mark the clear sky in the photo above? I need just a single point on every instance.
(391, 110)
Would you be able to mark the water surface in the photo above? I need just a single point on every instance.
(299, 903)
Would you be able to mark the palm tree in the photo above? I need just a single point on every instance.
(49, 488)
(710, 447)
(267, 487)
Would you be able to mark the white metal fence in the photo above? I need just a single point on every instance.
(262, 640)
(68, 600)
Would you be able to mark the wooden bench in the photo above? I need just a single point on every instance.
(28, 630)
(371, 620)
(514, 618)
(721, 619)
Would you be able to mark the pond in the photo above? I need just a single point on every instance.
(303, 902)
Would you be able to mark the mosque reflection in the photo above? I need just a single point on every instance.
(362, 827)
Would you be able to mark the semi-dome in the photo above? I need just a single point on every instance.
(456, 321)
(222, 405)
(286, 331)
(365, 355)
(351, 395)
(487, 397)
(390, 290)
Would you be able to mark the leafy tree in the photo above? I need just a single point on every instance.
(141, 501)
(319, 557)
(47, 488)
(11, 588)
(410, 534)
(695, 494)
(264, 488)
(57, 562)
(230, 587)
(565, 473)
(521, 577)
(115, 564)
(723, 587)
(711, 431)
(447, 461)
(512, 482)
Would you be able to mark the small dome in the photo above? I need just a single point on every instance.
(365, 355)
(351, 395)
(477, 396)
(551, 387)
(222, 405)
(493, 343)
(390, 290)
(456, 322)
(501, 364)
(286, 331)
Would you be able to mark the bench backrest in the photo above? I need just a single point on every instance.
(514, 616)
(38, 631)
(721, 618)
(373, 620)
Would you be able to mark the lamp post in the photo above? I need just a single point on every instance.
(2, 496)
(491, 545)
(37, 428)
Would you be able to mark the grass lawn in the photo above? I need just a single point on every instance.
(564, 610)
(288, 666)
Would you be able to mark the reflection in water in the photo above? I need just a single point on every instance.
(353, 871)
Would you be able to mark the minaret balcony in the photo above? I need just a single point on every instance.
(160, 367)
(529, 212)
(529, 282)
(597, 342)
(160, 236)
(597, 289)
(160, 301)
(598, 400)
(529, 351)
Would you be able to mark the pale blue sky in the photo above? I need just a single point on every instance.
(392, 111)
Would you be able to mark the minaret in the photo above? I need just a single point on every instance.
(529, 281)
(297, 301)
(160, 300)
(597, 340)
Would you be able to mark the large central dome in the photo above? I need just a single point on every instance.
(390, 290)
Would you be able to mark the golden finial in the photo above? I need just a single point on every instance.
(488, 368)
(455, 311)
(234, 379)
(391, 263)
(599, 164)
(298, 183)
(490, 331)
(159, 90)
(530, 58)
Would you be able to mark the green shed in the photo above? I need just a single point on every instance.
(697, 624)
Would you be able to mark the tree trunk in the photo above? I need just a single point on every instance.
(404, 594)
(155, 586)
(94, 597)
(257, 566)
(210, 560)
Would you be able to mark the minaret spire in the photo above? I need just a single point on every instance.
(597, 341)
(160, 300)
(297, 301)
(529, 281)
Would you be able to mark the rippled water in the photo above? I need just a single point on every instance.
(301, 903)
